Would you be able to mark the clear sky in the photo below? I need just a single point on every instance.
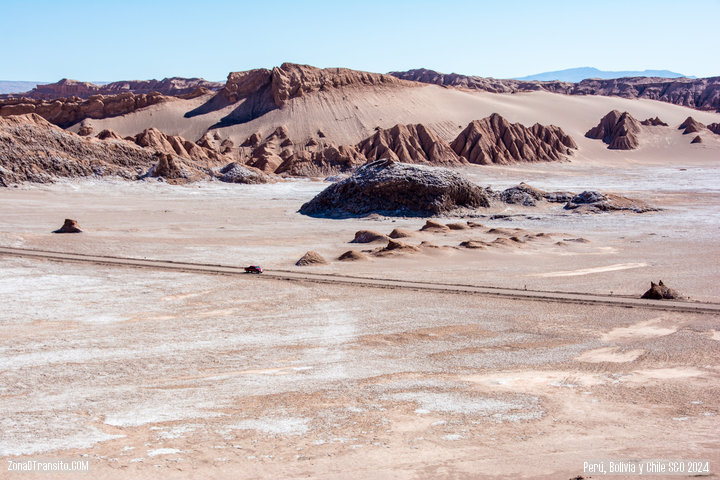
(105, 40)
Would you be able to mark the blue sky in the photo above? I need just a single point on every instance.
(102, 40)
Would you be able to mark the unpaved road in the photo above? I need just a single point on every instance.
(546, 296)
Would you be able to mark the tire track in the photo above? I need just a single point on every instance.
(370, 282)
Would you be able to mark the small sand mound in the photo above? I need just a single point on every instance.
(658, 291)
(475, 244)
(397, 246)
(458, 226)
(503, 231)
(506, 242)
(475, 225)
(369, 236)
(70, 226)
(311, 258)
(400, 233)
(576, 240)
(352, 256)
(433, 225)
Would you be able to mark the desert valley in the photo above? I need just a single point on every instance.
(457, 274)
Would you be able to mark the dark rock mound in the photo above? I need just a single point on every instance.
(108, 134)
(697, 139)
(495, 140)
(474, 244)
(70, 226)
(658, 291)
(352, 256)
(653, 122)
(368, 236)
(690, 125)
(397, 189)
(522, 194)
(236, 173)
(311, 258)
(397, 246)
(715, 128)
(618, 130)
(596, 202)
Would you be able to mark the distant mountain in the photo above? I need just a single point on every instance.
(578, 74)
(12, 86)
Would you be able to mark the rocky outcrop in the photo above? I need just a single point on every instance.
(108, 134)
(236, 173)
(485, 84)
(397, 189)
(715, 128)
(326, 160)
(697, 139)
(311, 258)
(69, 226)
(67, 111)
(158, 141)
(32, 149)
(596, 202)
(291, 80)
(690, 125)
(653, 122)
(698, 93)
(524, 194)
(619, 130)
(494, 140)
(409, 144)
(658, 291)
(67, 88)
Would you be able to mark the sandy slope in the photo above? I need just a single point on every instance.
(351, 114)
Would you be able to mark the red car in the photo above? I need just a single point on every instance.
(253, 269)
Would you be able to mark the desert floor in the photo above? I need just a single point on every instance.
(149, 373)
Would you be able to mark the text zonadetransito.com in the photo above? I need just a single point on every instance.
(48, 465)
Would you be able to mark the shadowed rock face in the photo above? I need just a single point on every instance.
(715, 128)
(396, 189)
(618, 130)
(495, 140)
(697, 139)
(409, 144)
(658, 291)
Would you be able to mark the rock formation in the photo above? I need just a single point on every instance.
(400, 233)
(70, 226)
(68, 111)
(595, 202)
(715, 128)
(658, 291)
(698, 93)
(409, 144)
(697, 139)
(368, 236)
(32, 149)
(108, 134)
(352, 256)
(494, 140)
(690, 125)
(66, 88)
(524, 194)
(434, 226)
(654, 122)
(236, 173)
(311, 258)
(618, 130)
(397, 189)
